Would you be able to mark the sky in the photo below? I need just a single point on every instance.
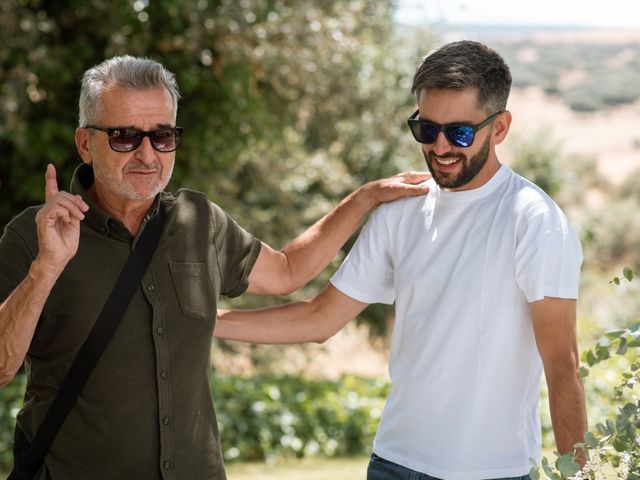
(586, 13)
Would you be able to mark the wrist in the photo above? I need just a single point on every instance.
(42, 270)
(364, 197)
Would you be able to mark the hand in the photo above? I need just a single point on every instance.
(58, 224)
(407, 184)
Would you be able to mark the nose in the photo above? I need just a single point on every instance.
(441, 145)
(145, 152)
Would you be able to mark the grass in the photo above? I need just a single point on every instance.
(351, 468)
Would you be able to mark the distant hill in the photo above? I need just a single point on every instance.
(588, 69)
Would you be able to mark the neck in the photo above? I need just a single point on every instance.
(130, 212)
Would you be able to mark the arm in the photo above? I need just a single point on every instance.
(58, 225)
(554, 325)
(315, 320)
(280, 272)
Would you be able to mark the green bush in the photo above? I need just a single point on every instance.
(282, 416)
(614, 444)
(267, 416)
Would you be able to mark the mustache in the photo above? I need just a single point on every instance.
(459, 156)
(138, 165)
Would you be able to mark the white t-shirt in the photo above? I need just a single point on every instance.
(465, 371)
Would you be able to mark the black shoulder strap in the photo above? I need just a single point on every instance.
(90, 352)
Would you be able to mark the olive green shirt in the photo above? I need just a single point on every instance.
(146, 412)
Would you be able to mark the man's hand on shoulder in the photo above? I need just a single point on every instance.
(406, 184)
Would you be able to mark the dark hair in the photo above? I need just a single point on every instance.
(465, 64)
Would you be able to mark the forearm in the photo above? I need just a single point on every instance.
(19, 315)
(314, 249)
(281, 272)
(314, 320)
(292, 323)
(568, 414)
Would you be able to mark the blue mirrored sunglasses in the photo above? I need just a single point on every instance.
(458, 134)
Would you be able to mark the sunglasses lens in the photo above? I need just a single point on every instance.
(164, 140)
(123, 140)
(424, 132)
(460, 135)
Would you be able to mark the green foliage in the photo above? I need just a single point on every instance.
(286, 106)
(274, 416)
(566, 178)
(282, 105)
(614, 445)
(613, 239)
(267, 416)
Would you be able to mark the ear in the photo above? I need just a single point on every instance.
(82, 144)
(501, 127)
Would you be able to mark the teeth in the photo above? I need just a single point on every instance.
(447, 162)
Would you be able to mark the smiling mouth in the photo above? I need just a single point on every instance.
(446, 161)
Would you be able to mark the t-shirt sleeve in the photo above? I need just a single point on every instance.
(367, 273)
(548, 254)
(237, 251)
(18, 249)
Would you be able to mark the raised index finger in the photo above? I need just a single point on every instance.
(50, 182)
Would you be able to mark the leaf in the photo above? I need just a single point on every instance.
(615, 280)
(591, 358)
(628, 273)
(584, 372)
(548, 470)
(613, 334)
(567, 466)
(591, 440)
(534, 473)
(622, 348)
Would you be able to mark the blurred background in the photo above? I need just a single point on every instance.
(287, 107)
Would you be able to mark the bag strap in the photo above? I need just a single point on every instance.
(90, 352)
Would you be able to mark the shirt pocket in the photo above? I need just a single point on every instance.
(191, 282)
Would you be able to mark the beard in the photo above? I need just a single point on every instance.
(145, 191)
(470, 167)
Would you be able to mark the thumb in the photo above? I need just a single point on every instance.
(50, 182)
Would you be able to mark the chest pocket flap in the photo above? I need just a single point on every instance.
(193, 288)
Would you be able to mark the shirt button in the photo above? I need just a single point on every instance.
(166, 464)
(151, 288)
(160, 330)
(165, 420)
(163, 374)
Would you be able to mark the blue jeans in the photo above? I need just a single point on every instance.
(381, 469)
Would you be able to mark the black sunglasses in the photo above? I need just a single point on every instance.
(128, 139)
(458, 134)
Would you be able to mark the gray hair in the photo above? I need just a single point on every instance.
(124, 71)
(465, 64)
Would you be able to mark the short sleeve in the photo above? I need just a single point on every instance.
(237, 251)
(548, 254)
(367, 273)
(18, 249)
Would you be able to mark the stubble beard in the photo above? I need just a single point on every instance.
(126, 190)
(470, 167)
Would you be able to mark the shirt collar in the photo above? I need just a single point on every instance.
(96, 218)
